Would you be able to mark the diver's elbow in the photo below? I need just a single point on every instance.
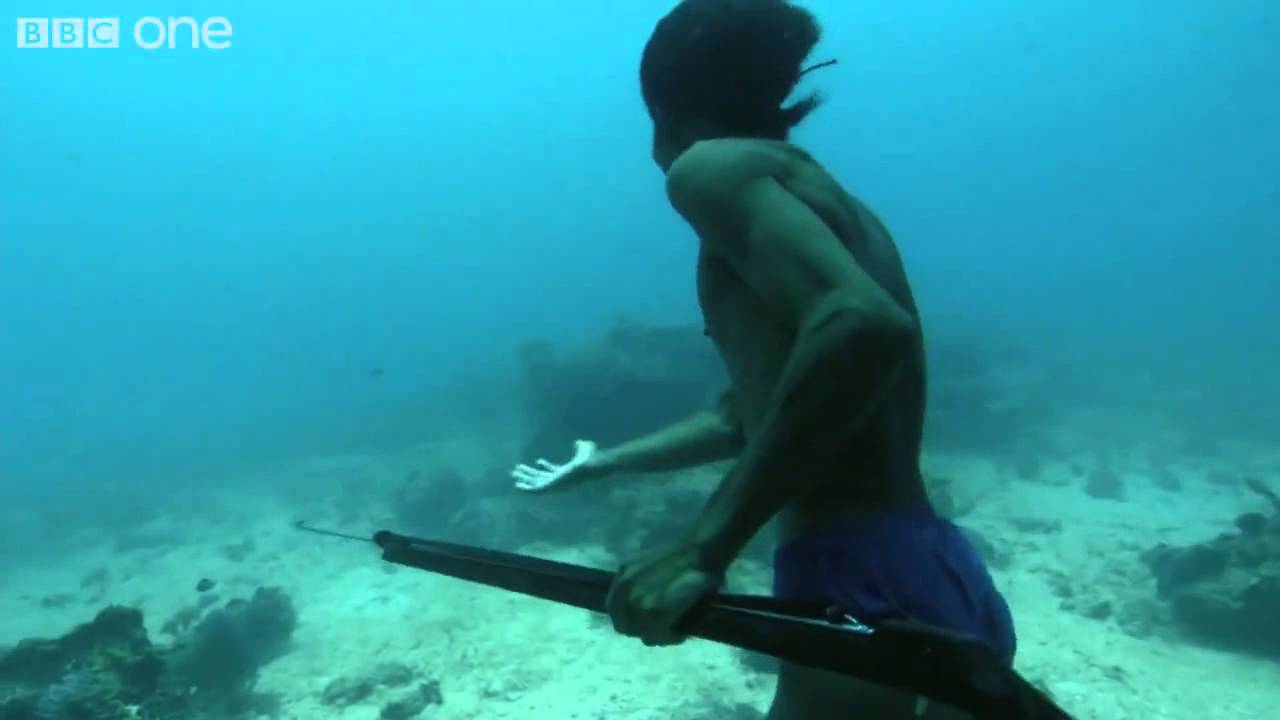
(894, 328)
(886, 330)
(878, 320)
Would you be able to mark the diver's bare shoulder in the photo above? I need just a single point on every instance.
(724, 163)
(705, 183)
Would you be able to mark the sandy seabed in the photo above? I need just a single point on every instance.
(498, 655)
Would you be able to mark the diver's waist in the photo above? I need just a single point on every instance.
(799, 526)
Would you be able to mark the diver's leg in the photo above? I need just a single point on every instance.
(807, 694)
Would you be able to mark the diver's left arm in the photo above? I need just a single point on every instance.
(851, 338)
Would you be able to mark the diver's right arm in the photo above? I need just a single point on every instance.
(711, 435)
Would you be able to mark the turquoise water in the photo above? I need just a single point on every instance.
(350, 268)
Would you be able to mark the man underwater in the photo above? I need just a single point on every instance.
(804, 294)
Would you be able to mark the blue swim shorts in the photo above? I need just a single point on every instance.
(901, 564)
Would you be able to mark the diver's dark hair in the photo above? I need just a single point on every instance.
(730, 62)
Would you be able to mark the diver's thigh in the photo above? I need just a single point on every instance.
(807, 694)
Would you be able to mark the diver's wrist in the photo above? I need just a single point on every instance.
(603, 463)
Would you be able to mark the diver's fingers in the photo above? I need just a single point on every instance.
(549, 466)
(524, 472)
(528, 478)
(532, 485)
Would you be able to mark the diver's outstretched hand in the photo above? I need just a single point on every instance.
(544, 475)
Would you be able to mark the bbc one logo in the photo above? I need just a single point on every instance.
(149, 33)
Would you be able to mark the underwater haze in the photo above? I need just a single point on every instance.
(371, 249)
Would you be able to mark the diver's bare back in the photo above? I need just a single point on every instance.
(882, 466)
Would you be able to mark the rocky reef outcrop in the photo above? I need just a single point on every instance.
(630, 380)
(1226, 591)
(109, 669)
